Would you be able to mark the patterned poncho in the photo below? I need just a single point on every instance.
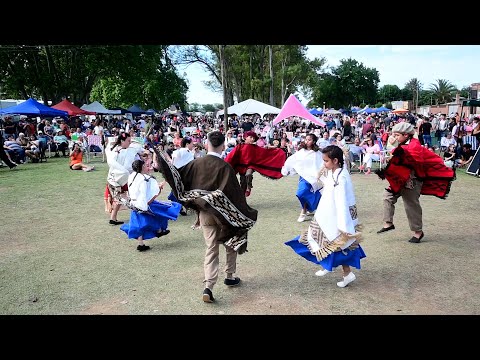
(426, 166)
(210, 184)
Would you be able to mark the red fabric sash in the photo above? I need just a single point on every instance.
(267, 162)
(427, 166)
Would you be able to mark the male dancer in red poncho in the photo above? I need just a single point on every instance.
(248, 157)
(412, 171)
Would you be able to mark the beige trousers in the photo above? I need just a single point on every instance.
(411, 202)
(212, 232)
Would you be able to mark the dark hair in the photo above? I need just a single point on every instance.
(334, 152)
(185, 141)
(315, 139)
(137, 165)
(122, 137)
(216, 138)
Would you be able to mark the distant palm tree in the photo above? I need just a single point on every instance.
(414, 86)
(443, 91)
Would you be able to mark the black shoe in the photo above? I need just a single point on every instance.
(143, 247)
(416, 240)
(162, 233)
(383, 229)
(232, 282)
(183, 211)
(208, 296)
(115, 222)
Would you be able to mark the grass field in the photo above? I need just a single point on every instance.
(59, 255)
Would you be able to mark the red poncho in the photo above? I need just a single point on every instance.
(426, 165)
(267, 162)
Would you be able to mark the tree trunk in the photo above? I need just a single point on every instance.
(270, 53)
(251, 73)
(224, 87)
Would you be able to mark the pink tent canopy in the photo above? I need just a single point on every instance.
(293, 107)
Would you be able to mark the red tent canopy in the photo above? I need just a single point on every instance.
(72, 110)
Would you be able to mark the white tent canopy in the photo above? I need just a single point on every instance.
(251, 106)
(100, 109)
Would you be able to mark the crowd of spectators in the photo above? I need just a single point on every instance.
(364, 138)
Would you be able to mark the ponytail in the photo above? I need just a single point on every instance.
(122, 137)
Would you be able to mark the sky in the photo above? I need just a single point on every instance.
(397, 64)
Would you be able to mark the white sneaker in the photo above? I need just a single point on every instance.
(310, 213)
(301, 218)
(346, 280)
(322, 272)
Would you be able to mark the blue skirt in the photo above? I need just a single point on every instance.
(172, 197)
(345, 257)
(306, 196)
(146, 224)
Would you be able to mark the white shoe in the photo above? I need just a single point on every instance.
(310, 213)
(301, 218)
(322, 272)
(346, 280)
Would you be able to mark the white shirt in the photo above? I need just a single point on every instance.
(142, 188)
(181, 157)
(120, 163)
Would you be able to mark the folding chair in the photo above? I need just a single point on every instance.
(95, 140)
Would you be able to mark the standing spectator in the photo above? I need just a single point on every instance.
(425, 130)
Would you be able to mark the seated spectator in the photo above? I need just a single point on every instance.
(33, 149)
(324, 141)
(198, 150)
(22, 140)
(446, 141)
(16, 152)
(355, 151)
(466, 156)
(61, 143)
(76, 158)
(262, 142)
(372, 152)
(449, 156)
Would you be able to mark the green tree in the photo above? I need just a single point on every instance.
(348, 84)
(120, 75)
(414, 86)
(388, 93)
(465, 92)
(254, 71)
(209, 108)
(443, 91)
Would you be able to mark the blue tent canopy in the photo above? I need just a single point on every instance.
(383, 108)
(123, 111)
(32, 107)
(315, 111)
(136, 110)
(151, 111)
